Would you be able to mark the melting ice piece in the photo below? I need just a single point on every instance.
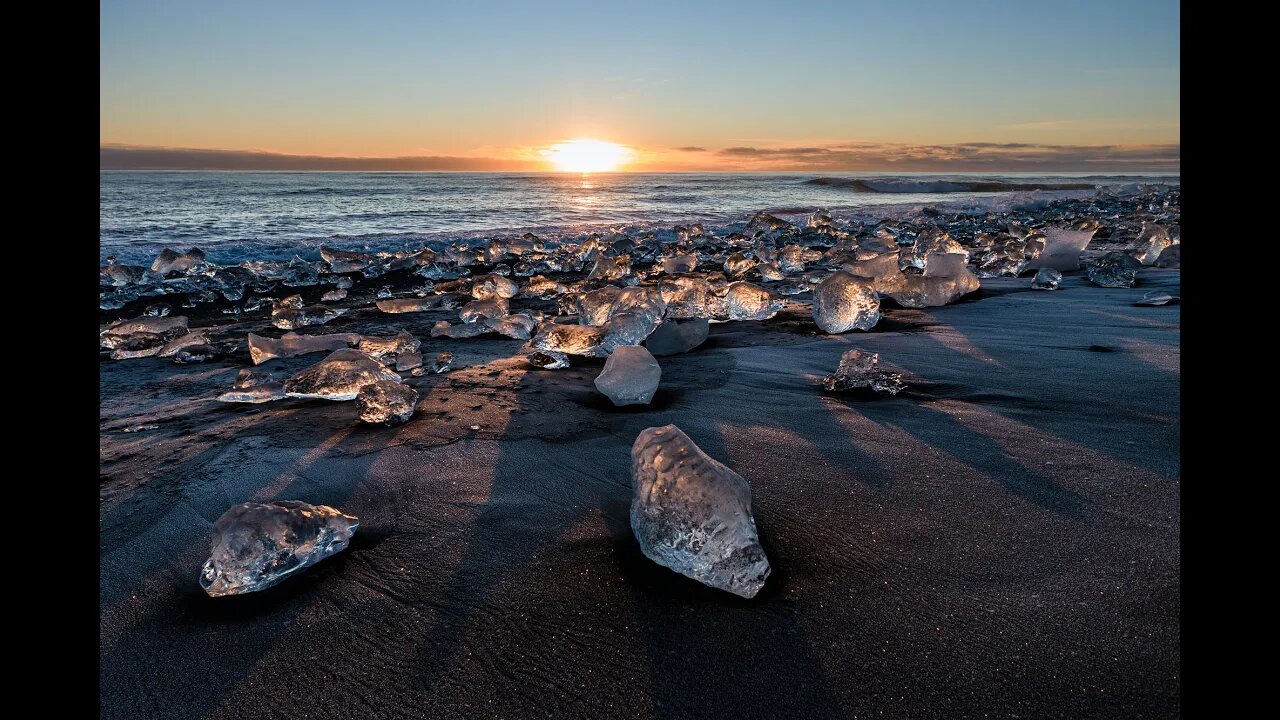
(548, 360)
(844, 302)
(630, 376)
(858, 369)
(333, 295)
(253, 386)
(946, 278)
(493, 307)
(763, 222)
(345, 261)
(690, 297)
(1171, 257)
(443, 363)
(570, 339)
(745, 301)
(166, 328)
(1151, 242)
(338, 377)
(614, 268)
(516, 326)
(1046, 279)
(693, 515)
(256, 545)
(646, 300)
(673, 337)
(627, 328)
(487, 286)
(408, 305)
(194, 354)
(1156, 297)
(593, 307)
(176, 345)
(402, 342)
(1115, 269)
(1062, 248)
(262, 349)
(408, 361)
(737, 264)
(386, 403)
(679, 264)
(459, 331)
(293, 318)
(168, 261)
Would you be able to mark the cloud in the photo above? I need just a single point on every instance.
(691, 148)
(958, 157)
(130, 157)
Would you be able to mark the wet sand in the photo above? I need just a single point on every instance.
(1000, 540)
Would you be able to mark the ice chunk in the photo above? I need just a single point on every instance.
(1115, 269)
(402, 342)
(1150, 243)
(256, 545)
(338, 377)
(570, 339)
(334, 295)
(148, 328)
(614, 268)
(493, 307)
(858, 369)
(408, 361)
(630, 376)
(543, 288)
(627, 328)
(194, 354)
(253, 386)
(934, 240)
(344, 283)
(1062, 248)
(487, 286)
(737, 264)
(844, 302)
(1171, 257)
(459, 331)
(1046, 279)
(946, 278)
(647, 300)
(516, 326)
(287, 318)
(169, 262)
(690, 297)
(819, 218)
(117, 275)
(443, 363)
(693, 515)
(548, 360)
(1002, 263)
(262, 349)
(763, 222)
(1156, 297)
(408, 305)
(386, 403)
(157, 310)
(593, 307)
(673, 337)
(345, 261)
(792, 258)
(191, 339)
(745, 301)
(679, 264)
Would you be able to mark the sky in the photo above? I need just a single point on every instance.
(687, 85)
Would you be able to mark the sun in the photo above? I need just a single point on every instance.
(586, 156)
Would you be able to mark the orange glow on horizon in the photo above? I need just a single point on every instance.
(585, 155)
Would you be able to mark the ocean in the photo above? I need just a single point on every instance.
(236, 216)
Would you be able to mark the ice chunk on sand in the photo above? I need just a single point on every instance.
(1062, 248)
(679, 264)
(256, 545)
(194, 354)
(345, 261)
(288, 318)
(262, 349)
(737, 264)
(690, 297)
(166, 328)
(763, 222)
(693, 515)
(614, 268)
(1156, 297)
(176, 345)
(253, 386)
(630, 376)
(386, 403)
(548, 360)
(1115, 269)
(946, 278)
(570, 339)
(459, 331)
(333, 295)
(168, 261)
(627, 328)
(443, 363)
(338, 377)
(488, 286)
(1046, 279)
(746, 301)
(673, 337)
(1171, 257)
(646, 300)
(408, 305)
(1151, 242)
(516, 326)
(402, 342)
(493, 307)
(593, 307)
(408, 361)
(844, 302)
(858, 369)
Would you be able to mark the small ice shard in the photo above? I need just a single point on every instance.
(630, 376)
(288, 318)
(408, 361)
(1115, 269)
(1062, 248)
(548, 360)
(443, 363)
(384, 293)
(935, 240)
(253, 386)
(494, 307)
(165, 328)
(459, 331)
(168, 261)
(763, 222)
(792, 258)
(945, 279)
(769, 272)
(679, 264)
(344, 282)
(487, 286)
(157, 310)
(647, 300)
(256, 545)
(693, 515)
(1046, 279)
(175, 345)
(1003, 263)
(334, 295)
(570, 339)
(673, 337)
(345, 261)
(844, 302)
(408, 305)
(338, 377)
(745, 301)
(402, 342)
(117, 275)
(386, 403)
(1151, 242)
(858, 369)
(614, 268)
(593, 307)
(262, 349)
(819, 218)
(737, 264)
(1156, 297)
(690, 297)
(516, 326)
(543, 288)
(294, 302)
(139, 428)
(1171, 257)
(193, 354)
(627, 328)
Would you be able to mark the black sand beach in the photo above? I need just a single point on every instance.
(1000, 540)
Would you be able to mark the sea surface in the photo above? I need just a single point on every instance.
(235, 216)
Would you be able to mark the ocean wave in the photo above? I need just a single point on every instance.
(911, 185)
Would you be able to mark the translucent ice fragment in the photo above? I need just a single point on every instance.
(386, 403)
(253, 386)
(121, 331)
(693, 515)
(844, 302)
(570, 339)
(745, 301)
(1115, 269)
(443, 363)
(493, 307)
(548, 360)
(1171, 257)
(1062, 248)
(287, 318)
(256, 545)
(679, 264)
(630, 376)
(737, 264)
(516, 326)
(678, 336)
(459, 331)
(408, 305)
(408, 361)
(338, 377)
(402, 342)
(1046, 279)
(858, 369)
(262, 349)
(593, 307)
(1156, 297)
(333, 295)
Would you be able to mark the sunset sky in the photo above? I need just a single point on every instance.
(685, 85)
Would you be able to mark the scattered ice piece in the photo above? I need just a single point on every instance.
(338, 377)
(630, 376)
(692, 514)
(679, 264)
(443, 363)
(737, 264)
(384, 293)
(157, 310)
(334, 295)
(1115, 269)
(763, 222)
(627, 328)
(745, 301)
(253, 386)
(168, 261)
(570, 339)
(459, 331)
(1171, 257)
(690, 297)
(139, 428)
(345, 261)
(408, 361)
(344, 282)
(1156, 297)
(946, 278)
(175, 345)
(408, 305)
(402, 342)
(494, 307)
(386, 403)
(1151, 242)
(262, 349)
(1046, 279)
(166, 328)
(673, 337)
(548, 360)
(256, 545)
(858, 369)
(1062, 248)
(194, 354)
(515, 326)
(614, 268)
(593, 307)
(844, 302)
(487, 286)
(287, 318)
